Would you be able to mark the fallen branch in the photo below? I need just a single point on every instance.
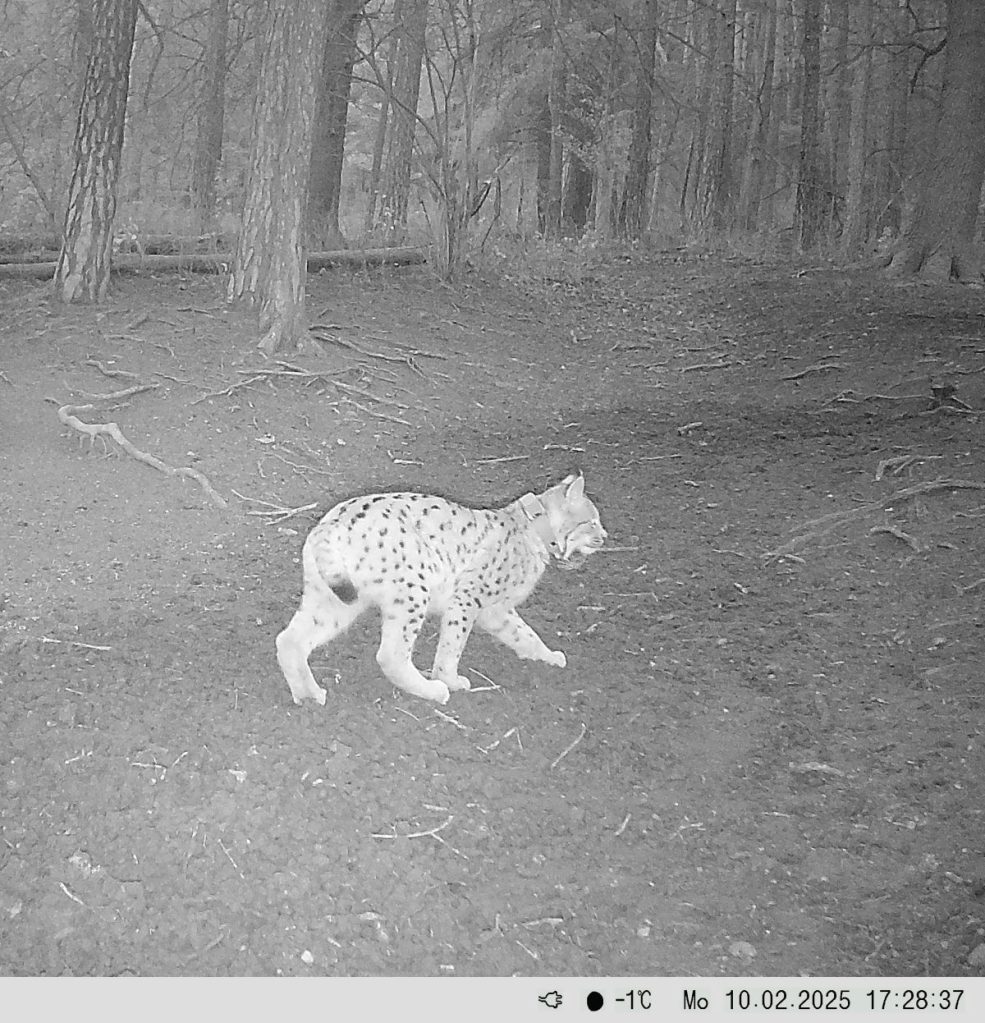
(899, 463)
(817, 367)
(850, 397)
(724, 364)
(898, 533)
(557, 760)
(971, 586)
(818, 527)
(67, 415)
(107, 372)
(321, 332)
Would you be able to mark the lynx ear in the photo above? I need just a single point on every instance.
(575, 487)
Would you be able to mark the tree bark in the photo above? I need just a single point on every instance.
(331, 117)
(938, 236)
(604, 175)
(555, 106)
(269, 269)
(838, 105)
(718, 188)
(810, 197)
(892, 156)
(83, 267)
(758, 156)
(395, 194)
(382, 122)
(857, 205)
(576, 197)
(632, 211)
(208, 144)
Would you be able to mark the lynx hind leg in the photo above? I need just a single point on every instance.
(400, 627)
(321, 617)
(509, 628)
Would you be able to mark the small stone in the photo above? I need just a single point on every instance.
(307, 958)
(977, 956)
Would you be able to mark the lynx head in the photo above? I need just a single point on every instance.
(575, 519)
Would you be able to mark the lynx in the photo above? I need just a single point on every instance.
(413, 555)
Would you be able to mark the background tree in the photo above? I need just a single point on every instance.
(403, 100)
(786, 120)
(939, 237)
(810, 197)
(208, 144)
(632, 212)
(858, 198)
(269, 266)
(83, 267)
(331, 118)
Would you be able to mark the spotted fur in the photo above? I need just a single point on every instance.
(413, 555)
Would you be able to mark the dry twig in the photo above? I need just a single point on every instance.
(278, 512)
(818, 527)
(557, 760)
(724, 364)
(817, 367)
(898, 533)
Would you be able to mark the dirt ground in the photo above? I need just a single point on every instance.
(765, 756)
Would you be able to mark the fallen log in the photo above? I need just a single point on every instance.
(219, 263)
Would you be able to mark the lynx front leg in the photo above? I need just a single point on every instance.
(456, 624)
(509, 628)
(394, 657)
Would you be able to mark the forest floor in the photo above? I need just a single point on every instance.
(765, 756)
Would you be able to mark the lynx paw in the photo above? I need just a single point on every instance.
(436, 691)
(457, 682)
(317, 694)
(557, 658)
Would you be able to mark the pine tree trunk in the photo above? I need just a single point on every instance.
(331, 117)
(208, 144)
(269, 267)
(632, 211)
(838, 105)
(810, 197)
(857, 204)
(542, 149)
(938, 237)
(555, 104)
(717, 192)
(576, 198)
(395, 194)
(83, 267)
(892, 157)
(758, 156)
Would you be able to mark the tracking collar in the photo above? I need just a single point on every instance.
(533, 508)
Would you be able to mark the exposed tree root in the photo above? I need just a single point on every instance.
(67, 415)
(291, 371)
(275, 512)
(816, 528)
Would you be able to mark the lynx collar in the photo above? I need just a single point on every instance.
(533, 508)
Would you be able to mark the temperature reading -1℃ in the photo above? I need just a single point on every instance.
(639, 999)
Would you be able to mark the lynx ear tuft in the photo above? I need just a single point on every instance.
(575, 487)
